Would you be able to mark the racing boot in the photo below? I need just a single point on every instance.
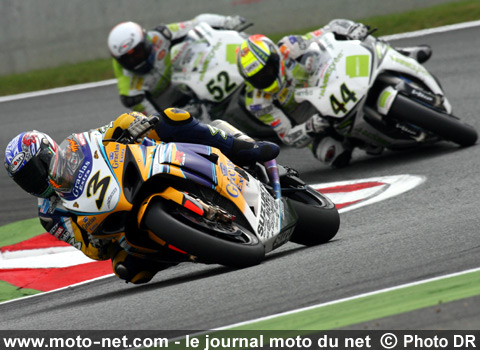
(331, 151)
(136, 270)
(179, 126)
(420, 53)
(246, 152)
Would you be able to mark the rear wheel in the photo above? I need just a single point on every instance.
(318, 218)
(226, 244)
(443, 125)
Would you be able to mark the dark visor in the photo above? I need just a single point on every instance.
(134, 58)
(267, 75)
(33, 176)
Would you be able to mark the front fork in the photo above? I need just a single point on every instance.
(272, 171)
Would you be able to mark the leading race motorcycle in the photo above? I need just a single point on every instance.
(378, 98)
(203, 67)
(181, 202)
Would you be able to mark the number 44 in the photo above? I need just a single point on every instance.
(347, 95)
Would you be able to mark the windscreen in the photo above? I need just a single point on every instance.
(68, 162)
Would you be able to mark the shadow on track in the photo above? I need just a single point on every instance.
(178, 280)
(132, 289)
(278, 254)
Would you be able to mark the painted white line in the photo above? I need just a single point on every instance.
(423, 32)
(57, 90)
(28, 253)
(45, 258)
(56, 290)
(413, 34)
(394, 186)
(348, 299)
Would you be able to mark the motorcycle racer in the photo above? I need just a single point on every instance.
(141, 60)
(31, 161)
(273, 72)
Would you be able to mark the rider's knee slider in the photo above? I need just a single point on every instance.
(125, 269)
(142, 277)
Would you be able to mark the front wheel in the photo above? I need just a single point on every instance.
(444, 125)
(318, 218)
(232, 246)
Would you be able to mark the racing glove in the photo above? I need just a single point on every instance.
(357, 32)
(292, 46)
(139, 126)
(348, 29)
(234, 23)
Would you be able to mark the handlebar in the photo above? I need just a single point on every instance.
(245, 26)
(153, 120)
(371, 31)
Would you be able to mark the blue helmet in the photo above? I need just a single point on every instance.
(27, 159)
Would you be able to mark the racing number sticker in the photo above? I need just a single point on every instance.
(97, 185)
(347, 95)
(218, 91)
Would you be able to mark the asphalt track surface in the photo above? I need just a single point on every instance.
(424, 233)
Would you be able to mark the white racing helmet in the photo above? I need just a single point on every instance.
(130, 45)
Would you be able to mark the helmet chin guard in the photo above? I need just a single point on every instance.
(260, 63)
(27, 159)
(129, 44)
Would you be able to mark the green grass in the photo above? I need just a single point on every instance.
(440, 15)
(9, 292)
(19, 231)
(65, 75)
(450, 13)
(11, 234)
(354, 311)
(376, 306)
(437, 16)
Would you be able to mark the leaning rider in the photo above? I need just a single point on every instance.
(273, 72)
(141, 60)
(30, 157)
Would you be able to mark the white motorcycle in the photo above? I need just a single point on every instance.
(203, 66)
(375, 97)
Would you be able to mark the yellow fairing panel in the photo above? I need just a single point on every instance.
(116, 157)
(229, 183)
(144, 158)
